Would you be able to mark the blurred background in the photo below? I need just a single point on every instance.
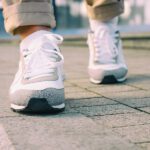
(73, 20)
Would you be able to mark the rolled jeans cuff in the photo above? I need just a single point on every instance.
(105, 12)
(28, 13)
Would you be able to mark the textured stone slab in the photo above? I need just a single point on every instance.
(121, 96)
(141, 102)
(80, 95)
(90, 102)
(136, 134)
(79, 81)
(62, 132)
(105, 110)
(80, 74)
(123, 120)
(88, 84)
(5, 143)
(67, 84)
(144, 86)
(5, 82)
(147, 109)
(113, 88)
(145, 146)
(5, 110)
(139, 81)
(74, 90)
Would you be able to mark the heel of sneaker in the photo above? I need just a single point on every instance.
(101, 76)
(47, 100)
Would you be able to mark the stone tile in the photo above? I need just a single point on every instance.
(74, 89)
(147, 109)
(78, 81)
(89, 102)
(105, 110)
(113, 88)
(87, 85)
(5, 82)
(136, 134)
(5, 143)
(141, 102)
(138, 79)
(123, 120)
(75, 75)
(143, 86)
(144, 146)
(62, 132)
(80, 95)
(5, 110)
(121, 96)
(67, 84)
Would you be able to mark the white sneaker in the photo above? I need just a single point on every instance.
(106, 61)
(38, 84)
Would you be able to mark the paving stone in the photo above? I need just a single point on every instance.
(89, 102)
(145, 86)
(67, 84)
(87, 85)
(5, 82)
(74, 89)
(137, 79)
(147, 109)
(113, 88)
(105, 110)
(136, 134)
(123, 120)
(79, 81)
(145, 146)
(5, 143)
(80, 95)
(121, 96)
(142, 102)
(76, 75)
(5, 110)
(62, 132)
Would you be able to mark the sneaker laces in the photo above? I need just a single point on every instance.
(45, 59)
(105, 49)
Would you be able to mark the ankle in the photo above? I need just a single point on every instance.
(25, 31)
(111, 24)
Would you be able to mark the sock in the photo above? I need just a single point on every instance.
(31, 39)
(111, 24)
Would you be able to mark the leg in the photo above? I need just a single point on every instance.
(104, 10)
(38, 84)
(27, 13)
(106, 62)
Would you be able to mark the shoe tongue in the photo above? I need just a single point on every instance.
(44, 42)
(39, 39)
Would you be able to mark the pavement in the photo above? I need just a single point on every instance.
(97, 117)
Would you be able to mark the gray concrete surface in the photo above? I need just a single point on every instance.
(97, 117)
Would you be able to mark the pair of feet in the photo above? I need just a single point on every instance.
(38, 85)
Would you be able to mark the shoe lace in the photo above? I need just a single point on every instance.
(105, 47)
(42, 61)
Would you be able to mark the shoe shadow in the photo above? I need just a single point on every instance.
(138, 79)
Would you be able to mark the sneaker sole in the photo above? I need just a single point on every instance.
(38, 105)
(39, 101)
(116, 75)
(108, 80)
